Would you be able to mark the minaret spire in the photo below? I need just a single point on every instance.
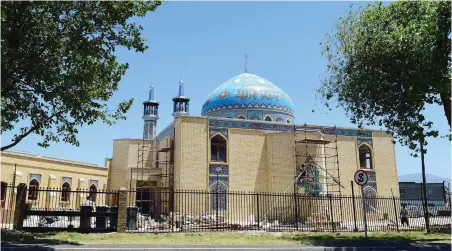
(150, 115)
(181, 88)
(180, 103)
(151, 92)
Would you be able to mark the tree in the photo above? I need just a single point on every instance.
(385, 63)
(59, 67)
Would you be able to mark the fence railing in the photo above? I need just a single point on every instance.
(155, 210)
(65, 209)
(164, 210)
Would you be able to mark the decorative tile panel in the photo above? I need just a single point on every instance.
(347, 132)
(239, 113)
(372, 175)
(224, 169)
(279, 119)
(218, 196)
(255, 115)
(222, 179)
(222, 131)
(360, 140)
(364, 135)
(36, 176)
(66, 179)
(228, 114)
(249, 125)
(372, 185)
(371, 203)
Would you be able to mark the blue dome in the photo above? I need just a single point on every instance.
(248, 96)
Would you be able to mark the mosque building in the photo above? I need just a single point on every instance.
(246, 139)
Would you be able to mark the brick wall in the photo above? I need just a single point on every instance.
(247, 160)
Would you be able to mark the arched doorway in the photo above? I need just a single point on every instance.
(66, 192)
(93, 192)
(147, 197)
(33, 189)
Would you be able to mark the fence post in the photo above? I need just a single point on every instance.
(354, 208)
(19, 213)
(296, 209)
(258, 216)
(395, 214)
(122, 210)
(330, 197)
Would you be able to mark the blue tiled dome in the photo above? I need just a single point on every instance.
(248, 96)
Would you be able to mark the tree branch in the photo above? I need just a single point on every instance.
(20, 138)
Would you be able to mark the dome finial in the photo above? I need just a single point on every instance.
(181, 87)
(246, 63)
(151, 92)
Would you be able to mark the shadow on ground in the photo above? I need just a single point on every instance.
(375, 242)
(19, 237)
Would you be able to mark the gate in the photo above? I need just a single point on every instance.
(65, 210)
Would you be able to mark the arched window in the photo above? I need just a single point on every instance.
(241, 117)
(218, 149)
(66, 191)
(267, 118)
(288, 120)
(279, 120)
(365, 157)
(93, 192)
(33, 189)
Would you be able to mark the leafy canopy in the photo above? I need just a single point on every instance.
(58, 64)
(385, 63)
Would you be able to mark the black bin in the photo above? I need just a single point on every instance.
(114, 217)
(132, 218)
(101, 221)
(85, 220)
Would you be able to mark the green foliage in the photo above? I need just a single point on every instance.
(58, 64)
(385, 63)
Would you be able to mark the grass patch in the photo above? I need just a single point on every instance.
(220, 238)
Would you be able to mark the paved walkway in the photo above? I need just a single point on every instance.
(343, 247)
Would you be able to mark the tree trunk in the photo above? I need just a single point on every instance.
(445, 98)
(424, 189)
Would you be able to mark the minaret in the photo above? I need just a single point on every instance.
(180, 103)
(150, 115)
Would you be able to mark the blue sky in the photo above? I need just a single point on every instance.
(204, 43)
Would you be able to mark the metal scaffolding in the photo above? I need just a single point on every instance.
(318, 172)
(150, 168)
(320, 169)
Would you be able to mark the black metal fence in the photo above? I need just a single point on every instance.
(53, 209)
(155, 210)
(163, 210)
(7, 205)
